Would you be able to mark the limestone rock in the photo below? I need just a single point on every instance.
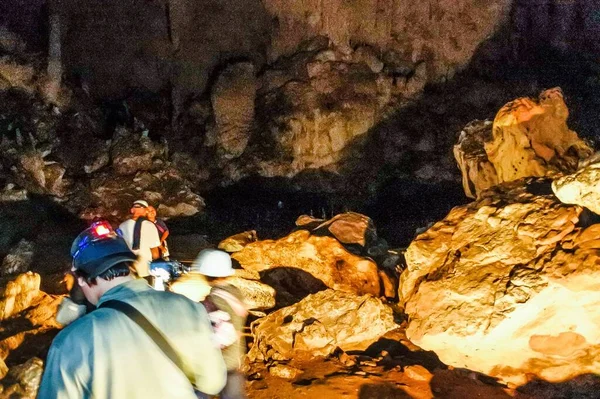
(528, 138)
(580, 188)
(318, 325)
(507, 286)
(112, 196)
(17, 294)
(531, 138)
(3, 369)
(314, 258)
(478, 173)
(232, 100)
(351, 228)
(284, 371)
(24, 380)
(238, 241)
(41, 176)
(132, 152)
(257, 295)
(18, 259)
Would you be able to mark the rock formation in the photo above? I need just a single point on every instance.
(312, 262)
(507, 286)
(232, 98)
(528, 138)
(318, 325)
(580, 188)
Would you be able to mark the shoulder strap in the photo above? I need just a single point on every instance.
(137, 233)
(150, 329)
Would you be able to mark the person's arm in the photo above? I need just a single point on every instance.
(155, 252)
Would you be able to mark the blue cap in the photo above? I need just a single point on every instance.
(98, 248)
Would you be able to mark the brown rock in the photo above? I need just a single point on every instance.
(492, 288)
(531, 138)
(237, 242)
(319, 324)
(418, 373)
(324, 258)
(17, 294)
(528, 138)
(580, 188)
(351, 228)
(23, 381)
(285, 372)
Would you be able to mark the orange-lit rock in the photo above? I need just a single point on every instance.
(580, 188)
(508, 286)
(238, 241)
(528, 138)
(18, 293)
(319, 324)
(314, 261)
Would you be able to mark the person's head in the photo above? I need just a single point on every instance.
(213, 264)
(139, 209)
(101, 260)
(151, 213)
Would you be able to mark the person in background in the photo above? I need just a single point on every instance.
(116, 351)
(216, 266)
(163, 231)
(142, 237)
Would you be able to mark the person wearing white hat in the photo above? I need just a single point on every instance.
(141, 236)
(207, 282)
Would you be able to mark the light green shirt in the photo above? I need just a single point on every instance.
(106, 355)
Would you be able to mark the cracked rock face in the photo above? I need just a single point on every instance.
(319, 324)
(508, 286)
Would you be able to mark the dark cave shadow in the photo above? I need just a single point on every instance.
(384, 390)
(47, 224)
(291, 284)
(585, 386)
(396, 349)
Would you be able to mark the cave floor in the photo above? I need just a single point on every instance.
(391, 368)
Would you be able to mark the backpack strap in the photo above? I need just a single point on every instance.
(137, 233)
(159, 339)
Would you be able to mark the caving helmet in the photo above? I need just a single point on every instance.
(213, 263)
(98, 248)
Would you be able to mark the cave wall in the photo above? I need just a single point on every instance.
(111, 45)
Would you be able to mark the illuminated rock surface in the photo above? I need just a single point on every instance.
(580, 188)
(528, 138)
(508, 286)
(312, 263)
(318, 324)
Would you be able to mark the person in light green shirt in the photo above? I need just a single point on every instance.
(105, 354)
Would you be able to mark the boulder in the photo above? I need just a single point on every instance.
(317, 258)
(19, 259)
(529, 137)
(351, 228)
(319, 324)
(238, 241)
(580, 188)
(17, 294)
(257, 295)
(23, 381)
(508, 286)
